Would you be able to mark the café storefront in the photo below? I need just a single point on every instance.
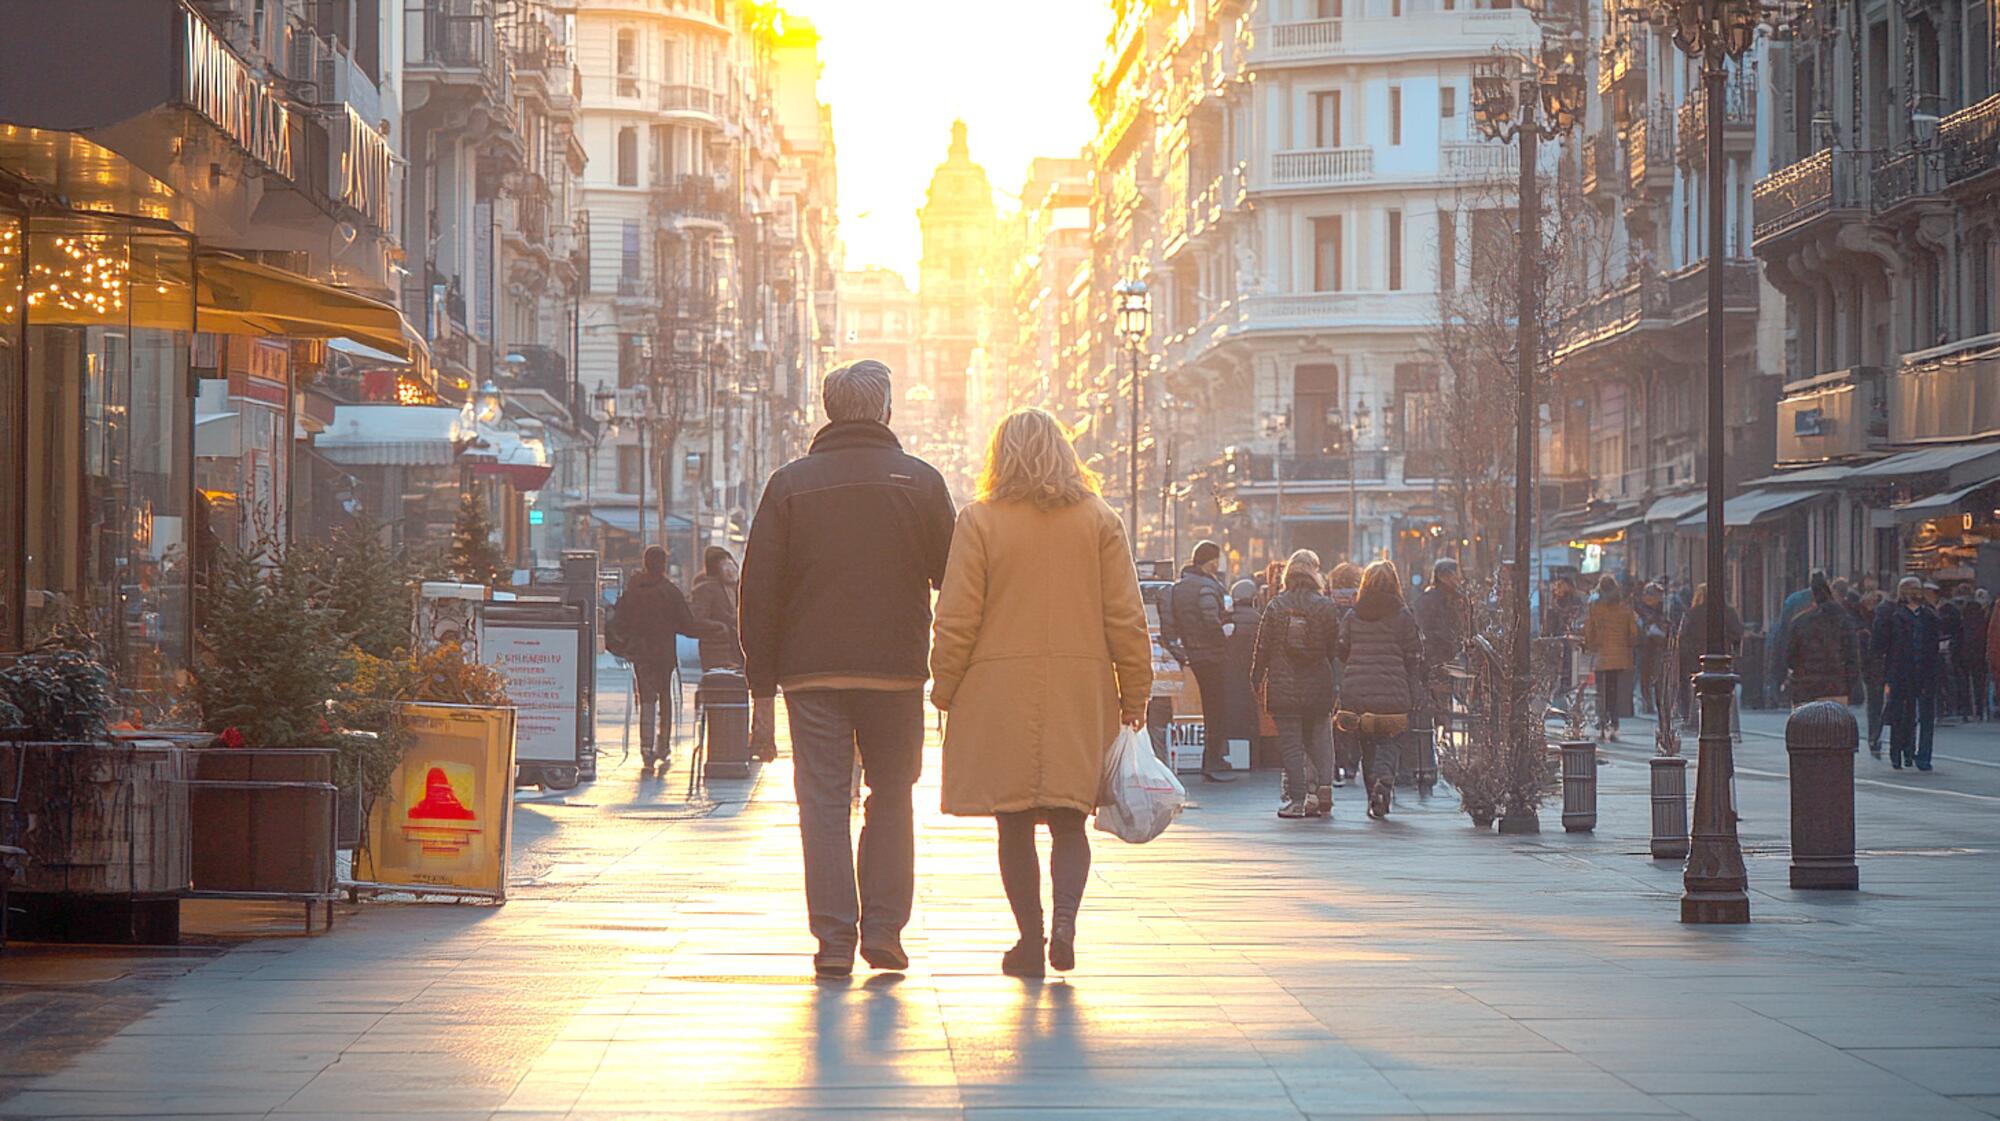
(129, 210)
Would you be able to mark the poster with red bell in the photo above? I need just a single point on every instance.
(441, 823)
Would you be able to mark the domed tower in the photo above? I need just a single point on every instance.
(955, 277)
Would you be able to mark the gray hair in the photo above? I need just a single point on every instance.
(858, 391)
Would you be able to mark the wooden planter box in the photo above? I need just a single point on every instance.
(106, 832)
(264, 823)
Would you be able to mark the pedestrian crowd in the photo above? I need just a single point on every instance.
(1910, 657)
(1037, 654)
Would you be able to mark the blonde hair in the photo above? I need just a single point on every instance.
(1381, 578)
(1030, 459)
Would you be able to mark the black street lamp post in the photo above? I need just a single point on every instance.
(1511, 95)
(1133, 313)
(1716, 885)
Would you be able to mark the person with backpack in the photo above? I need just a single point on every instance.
(1383, 649)
(1193, 624)
(1292, 663)
(644, 625)
(1343, 584)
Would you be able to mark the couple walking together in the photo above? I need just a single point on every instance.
(1040, 653)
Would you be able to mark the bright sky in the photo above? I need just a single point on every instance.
(897, 72)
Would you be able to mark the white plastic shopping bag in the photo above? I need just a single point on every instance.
(1141, 796)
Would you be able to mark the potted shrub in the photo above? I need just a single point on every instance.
(103, 824)
(270, 663)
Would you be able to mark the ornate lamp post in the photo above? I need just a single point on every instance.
(1348, 438)
(1278, 425)
(1511, 96)
(1716, 886)
(1134, 309)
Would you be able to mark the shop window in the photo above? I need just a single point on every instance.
(12, 232)
(105, 449)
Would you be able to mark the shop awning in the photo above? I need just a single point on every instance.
(1938, 505)
(1603, 532)
(234, 296)
(218, 436)
(522, 462)
(1752, 507)
(1808, 476)
(1965, 463)
(1675, 507)
(392, 436)
(626, 519)
(365, 354)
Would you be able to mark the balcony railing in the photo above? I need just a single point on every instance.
(1313, 167)
(1947, 392)
(1910, 173)
(1826, 181)
(1833, 416)
(686, 98)
(698, 196)
(1649, 151)
(1687, 289)
(453, 34)
(1478, 162)
(1466, 32)
(1338, 309)
(1623, 57)
(1739, 113)
(1970, 140)
(1596, 165)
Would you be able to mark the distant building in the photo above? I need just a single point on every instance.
(878, 319)
(955, 278)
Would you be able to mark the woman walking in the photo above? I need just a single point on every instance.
(1343, 584)
(1384, 654)
(1610, 636)
(1040, 653)
(714, 604)
(1292, 664)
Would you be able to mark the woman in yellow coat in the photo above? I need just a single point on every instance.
(1040, 652)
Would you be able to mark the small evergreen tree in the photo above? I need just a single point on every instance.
(270, 652)
(369, 586)
(473, 557)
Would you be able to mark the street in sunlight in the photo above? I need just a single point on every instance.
(1073, 560)
(648, 964)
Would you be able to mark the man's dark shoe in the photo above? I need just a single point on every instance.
(1217, 776)
(833, 966)
(1923, 766)
(886, 955)
(1024, 960)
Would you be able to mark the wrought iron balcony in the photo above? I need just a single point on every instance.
(1834, 415)
(1970, 140)
(1823, 183)
(1649, 152)
(452, 35)
(1907, 174)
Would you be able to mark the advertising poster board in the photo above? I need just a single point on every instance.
(541, 663)
(442, 824)
(1186, 736)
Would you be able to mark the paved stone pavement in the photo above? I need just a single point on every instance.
(653, 963)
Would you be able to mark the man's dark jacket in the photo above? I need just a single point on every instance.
(1197, 615)
(650, 612)
(1441, 615)
(1907, 643)
(843, 553)
(1821, 654)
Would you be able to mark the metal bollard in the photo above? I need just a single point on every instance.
(1821, 739)
(1670, 807)
(1579, 762)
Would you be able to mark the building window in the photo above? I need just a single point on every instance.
(1394, 248)
(1395, 7)
(1447, 250)
(1329, 9)
(1395, 115)
(628, 157)
(629, 464)
(1326, 119)
(1447, 102)
(631, 360)
(628, 62)
(628, 260)
(1326, 255)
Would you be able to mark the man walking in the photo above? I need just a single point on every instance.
(650, 615)
(1192, 626)
(1906, 636)
(845, 549)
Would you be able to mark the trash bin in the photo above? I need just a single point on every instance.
(722, 705)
